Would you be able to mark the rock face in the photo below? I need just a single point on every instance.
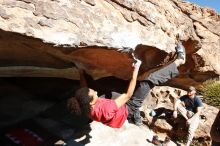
(45, 38)
(102, 135)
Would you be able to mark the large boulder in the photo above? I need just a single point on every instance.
(45, 38)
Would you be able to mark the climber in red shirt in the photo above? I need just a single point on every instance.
(108, 111)
(114, 112)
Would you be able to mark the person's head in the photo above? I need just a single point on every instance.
(191, 91)
(86, 97)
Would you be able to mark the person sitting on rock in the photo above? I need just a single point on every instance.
(114, 112)
(189, 106)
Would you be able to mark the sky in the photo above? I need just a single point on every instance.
(214, 4)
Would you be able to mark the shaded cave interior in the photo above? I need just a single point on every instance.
(37, 77)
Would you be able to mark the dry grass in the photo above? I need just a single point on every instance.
(211, 92)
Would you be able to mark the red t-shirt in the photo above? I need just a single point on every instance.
(107, 112)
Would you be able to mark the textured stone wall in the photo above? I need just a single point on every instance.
(46, 38)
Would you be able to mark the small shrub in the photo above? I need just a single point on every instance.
(211, 92)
